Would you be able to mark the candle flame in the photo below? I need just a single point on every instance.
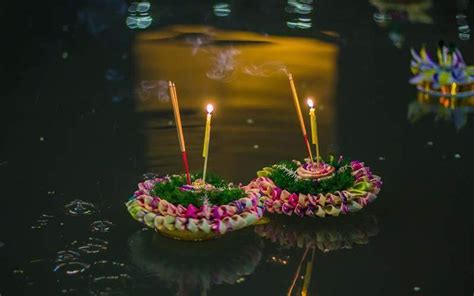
(310, 103)
(210, 108)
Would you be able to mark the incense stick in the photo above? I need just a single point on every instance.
(179, 129)
(300, 115)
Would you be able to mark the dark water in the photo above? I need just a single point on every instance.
(84, 115)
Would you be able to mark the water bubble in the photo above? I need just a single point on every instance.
(109, 277)
(40, 223)
(78, 208)
(42, 139)
(256, 146)
(250, 121)
(457, 156)
(416, 289)
(68, 255)
(65, 55)
(71, 267)
(91, 246)
(429, 143)
(101, 226)
(381, 158)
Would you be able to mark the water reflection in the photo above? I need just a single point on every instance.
(299, 14)
(253, 67)
(308, 235)
(221, 9)
(326, 235)
(393, 14)
(139, 15)
(464, 30)
(193, 268)
(443, 108)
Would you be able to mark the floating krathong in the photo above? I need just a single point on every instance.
(193, 207)
(195, 212)
(331, 188)
(449, 77)
(314, 188)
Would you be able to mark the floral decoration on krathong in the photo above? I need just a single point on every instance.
(316, 189)
(214, 207)
(449, 76)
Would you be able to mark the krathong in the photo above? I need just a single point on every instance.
(200, 211)
(193, 207)
(331, 188)
(314, 188)
(449, 76)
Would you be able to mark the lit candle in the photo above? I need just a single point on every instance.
(207, 137)
(179, 129)
(300, 116)
(314, 127)
(453, 89)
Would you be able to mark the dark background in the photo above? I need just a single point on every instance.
(92, 150)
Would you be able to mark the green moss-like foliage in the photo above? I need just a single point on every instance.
(282, 177)
(221, 195)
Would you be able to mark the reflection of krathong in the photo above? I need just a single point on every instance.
(449, 77)
(193, 207)
(444, 108)
(315, 188)
(193, 269)
(327, 235)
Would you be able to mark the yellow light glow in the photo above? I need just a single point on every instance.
(210, 108)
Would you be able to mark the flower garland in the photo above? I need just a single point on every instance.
(187, 220)
(450, 69)
(352, 187)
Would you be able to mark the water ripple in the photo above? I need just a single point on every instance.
(78, 207)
